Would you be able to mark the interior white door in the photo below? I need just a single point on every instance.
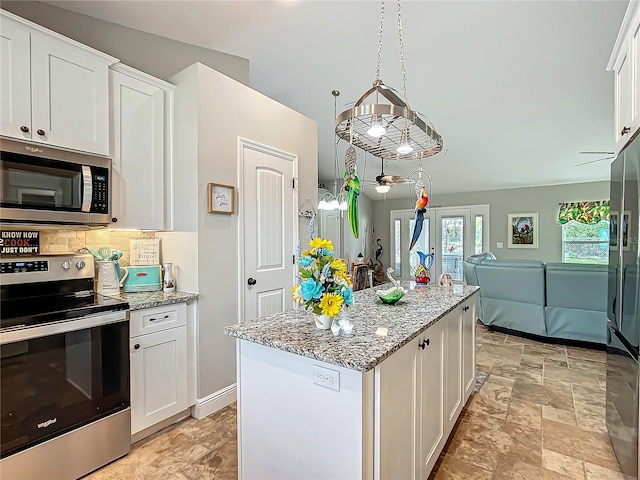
(453, 242)
(269, 230)
(330, 223)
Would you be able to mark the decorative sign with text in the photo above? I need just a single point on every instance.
(19, 242)
(144, 251)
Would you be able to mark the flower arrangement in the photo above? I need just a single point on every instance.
(324, 285)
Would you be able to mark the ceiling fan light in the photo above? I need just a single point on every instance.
(383, 188)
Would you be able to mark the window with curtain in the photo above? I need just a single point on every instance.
(585, 232)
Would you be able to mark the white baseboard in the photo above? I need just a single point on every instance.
(214, 402)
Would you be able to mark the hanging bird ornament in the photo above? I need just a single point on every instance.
(420, 209)
(352, 187)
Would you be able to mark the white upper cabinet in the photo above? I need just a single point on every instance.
(54, 90)
(15, 86)
(141, 148)
(625, 63)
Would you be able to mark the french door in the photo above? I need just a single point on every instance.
(451, 234)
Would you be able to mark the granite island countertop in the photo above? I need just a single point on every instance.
(139, 300)
(362, 349)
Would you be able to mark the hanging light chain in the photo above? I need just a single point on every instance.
(336, 170)
(404, 69)
(379, 65)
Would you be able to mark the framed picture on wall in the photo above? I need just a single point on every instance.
(221, 198)
(522, 230)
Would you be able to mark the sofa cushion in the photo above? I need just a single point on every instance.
(514, 280)
(578, 286)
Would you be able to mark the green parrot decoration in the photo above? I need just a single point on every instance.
(352, 187)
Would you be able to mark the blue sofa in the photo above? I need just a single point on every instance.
(559, 300)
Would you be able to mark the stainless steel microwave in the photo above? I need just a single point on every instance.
(45, 185)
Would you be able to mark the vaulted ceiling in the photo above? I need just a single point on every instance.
(516, 88)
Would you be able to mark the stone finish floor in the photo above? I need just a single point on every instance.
(539, 415)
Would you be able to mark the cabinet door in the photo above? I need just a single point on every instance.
(15, 94)
(69, 96)
(158, 377)
(623, 92)
(138, 152)
(635, 62)
(468, 348)
(397, 380)
(430, 398)
(453, 367)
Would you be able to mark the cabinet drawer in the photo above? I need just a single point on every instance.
(149, 320)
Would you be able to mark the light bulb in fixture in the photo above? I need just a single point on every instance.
(377, 128)
(405, 147)
(323, 205)
(343, 205)
(383, 188)
(334, 205)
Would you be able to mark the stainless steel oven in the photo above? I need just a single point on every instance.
(46, 185)
(64, 370)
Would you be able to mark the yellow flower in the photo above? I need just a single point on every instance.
(295, 293)
(330, 303)
(338, 265)
(317, 243)
(306, 253)
(344, 276)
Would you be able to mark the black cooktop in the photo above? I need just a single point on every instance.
(45, 305)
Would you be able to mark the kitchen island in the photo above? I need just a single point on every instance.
(378, 402)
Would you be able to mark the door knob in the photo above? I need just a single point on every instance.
(24, 129)
(136, 346)
(424, 343)
(625, 130)
(40, 132)
(252, 281)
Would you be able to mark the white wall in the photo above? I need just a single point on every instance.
(351, 246)
(226, 110)
(543, 200)
(155, 55)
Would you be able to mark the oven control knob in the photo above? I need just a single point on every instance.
(66, 265)
(80, 265)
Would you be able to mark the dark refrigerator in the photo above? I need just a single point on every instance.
(624, 309)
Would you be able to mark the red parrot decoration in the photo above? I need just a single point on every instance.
(421, 208)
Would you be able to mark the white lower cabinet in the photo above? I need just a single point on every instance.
(468, 348)
(420, 392)
(158, 365)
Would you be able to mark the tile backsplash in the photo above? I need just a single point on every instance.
(70, 241)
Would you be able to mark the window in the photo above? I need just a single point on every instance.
(478, 246)
(585, 243)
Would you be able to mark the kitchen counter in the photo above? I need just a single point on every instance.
(367, 345)
(141, 300)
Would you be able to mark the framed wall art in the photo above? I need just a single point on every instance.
(522, 230)
(221, 198)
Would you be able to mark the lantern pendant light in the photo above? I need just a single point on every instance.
(388, 130)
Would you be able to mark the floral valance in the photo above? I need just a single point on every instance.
(588, 213)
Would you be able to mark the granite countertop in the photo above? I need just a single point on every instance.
(362, 349)
(140, 300)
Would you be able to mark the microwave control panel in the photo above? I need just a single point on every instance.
(100, 197)
(21, 267)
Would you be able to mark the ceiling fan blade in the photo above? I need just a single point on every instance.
(594, 161)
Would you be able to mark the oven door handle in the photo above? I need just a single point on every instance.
(82, 323)
(87, 188)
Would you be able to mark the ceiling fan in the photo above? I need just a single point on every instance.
(384, 182)
(608, 156)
